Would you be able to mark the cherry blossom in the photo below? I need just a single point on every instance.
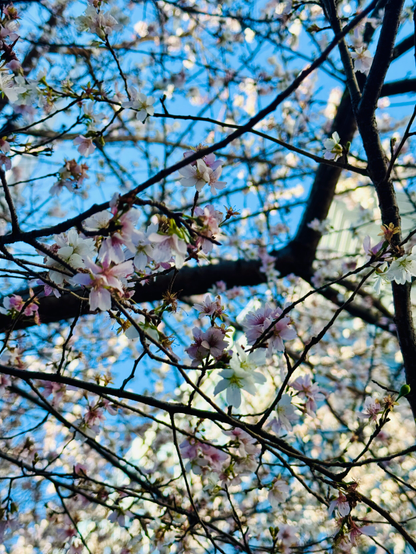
(102, 279)
(373, 251)
(246, 443)
(210, 307)
(187, 440)
(98, 22)
(256, 323)
(9, 87)
(333, 148)
(287, 536)
(210, 159)
(362, 60)
(318, 226)
(356, 532)
(286, 414)
(241, 375)
(195, 175)
(16, 303)
(308, 391)
(371, 410)
(112, 247)
(203, 457)
(341, 504)
(71, 176)
(85, 145)
(278, 493)
(209, 219)
(143, 105)
(402, 269)
(166, 246)
(74, 250)
(4, 145)
(143, 247)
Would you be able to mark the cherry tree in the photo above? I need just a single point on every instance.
(207, 252)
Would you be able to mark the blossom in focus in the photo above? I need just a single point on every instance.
(112, 246)
(371, 409)
(209, 307)
(241, 375)
(142, 104)
(341, 504)
(362, 60)
(195, 175)
(166, 246)
(333, 148)
(210, 160)
(211, 342)
(258, 321)
(85, 145)
(101, 279)
(97, 221)
(214, 182)
(403, 269)
(204, 171)
(143, 249)
(73, 249)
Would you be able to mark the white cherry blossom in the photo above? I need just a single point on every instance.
(362, 60)
(333, 148)
(85, 145)
(403, 269)
(142, 104)
(241, 375)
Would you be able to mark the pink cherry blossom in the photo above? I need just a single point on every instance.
(371, 410)
(309, 391)
(211, 342)
(209, 218)
(209, 307)
(101, 279)
(256, 323)
(356, 532)
(341, 504)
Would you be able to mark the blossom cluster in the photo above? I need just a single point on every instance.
(114, 248)
(389, 264)
(205, 171)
